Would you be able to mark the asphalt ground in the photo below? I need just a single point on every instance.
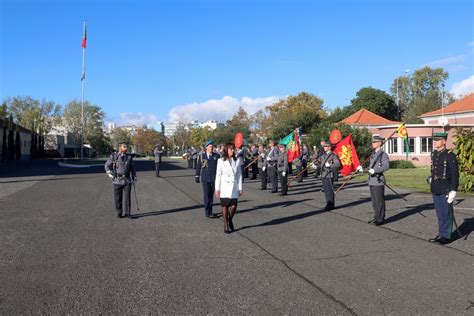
(64, 251)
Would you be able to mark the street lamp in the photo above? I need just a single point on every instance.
(398, 96)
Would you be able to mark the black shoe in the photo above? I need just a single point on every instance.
(226, 231)
(283, 194)
(128, 216)
(329, 207)
(263, 188)
(443, 241)
(371, 221)
(119, 215)
(435, 239)
(274, 191)
(231, 225)
(378, 223)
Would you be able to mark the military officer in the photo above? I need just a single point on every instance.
(158, 152)
(283, 169)
(379, 163)
(299, 165)
(271, 160)
(119, 167)
(194, 154)
(304, 160)
(254, 154)
(330, 164)
(262, 167)
(444, 182)
(206, 174)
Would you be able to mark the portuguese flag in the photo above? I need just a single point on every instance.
(292, 143)
(84, 38)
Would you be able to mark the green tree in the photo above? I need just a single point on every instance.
(422, 92)
(304, 110)
(376, 101)
(119, 135)
(146, 139)
(199, 136)
(464, 150)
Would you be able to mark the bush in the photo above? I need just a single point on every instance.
(401, 164)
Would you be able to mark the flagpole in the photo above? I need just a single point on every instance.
(83, 78)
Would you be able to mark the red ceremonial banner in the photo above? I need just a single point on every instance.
(347, 154)
(293, 147)
(238, 140)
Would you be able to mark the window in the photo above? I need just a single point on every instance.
(426, 144)
(411, 145)
(392, 144)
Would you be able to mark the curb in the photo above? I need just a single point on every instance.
(70, 165)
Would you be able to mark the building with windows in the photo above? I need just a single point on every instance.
(211, 124)
(25, 137)
(459, 114)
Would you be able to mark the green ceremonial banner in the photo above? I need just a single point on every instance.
(288, 138)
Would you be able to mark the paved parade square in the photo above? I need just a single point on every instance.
(65, 252)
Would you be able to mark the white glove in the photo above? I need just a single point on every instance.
(268, 158)
(313, 166)
(110, 175)
(451, 196)
(283, 173)
(262, 155)
(359, 169)
(371, 171)
(264, 168)
(327, 164)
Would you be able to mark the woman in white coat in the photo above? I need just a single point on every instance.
(228, 185)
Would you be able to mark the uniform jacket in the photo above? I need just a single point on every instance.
(272, 156)
(228, 178)
(333, 170)
(304, 155)
(444, 172)
(157, 152)
(121, 167)
(299, 160)
(262, 159)
(283, 163)
(206, 167)
(380, 162)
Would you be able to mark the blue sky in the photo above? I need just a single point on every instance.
(150, 61)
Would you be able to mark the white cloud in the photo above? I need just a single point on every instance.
(218, 109)
(137, 119)
(448, 61)
(463, 87)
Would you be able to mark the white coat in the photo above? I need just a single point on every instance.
(229, 178)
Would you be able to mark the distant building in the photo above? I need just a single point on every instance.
(159, 127)
(211, 124)
(131, 129)
(171, 128)
(459, 114)
(59, 142)
(25, 138)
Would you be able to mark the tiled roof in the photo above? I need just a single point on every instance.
(365, 117)
(465, 104)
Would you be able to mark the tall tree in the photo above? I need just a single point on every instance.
(376, 101)
(424, 91)
(146, 139)
(11, 142)
(120, 135)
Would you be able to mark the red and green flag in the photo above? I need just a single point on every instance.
(292, 143)
(84, 38)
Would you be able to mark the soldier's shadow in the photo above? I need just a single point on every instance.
(271, 205)
(464, 230)
(163, 212)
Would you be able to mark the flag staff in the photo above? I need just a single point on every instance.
(83, 78)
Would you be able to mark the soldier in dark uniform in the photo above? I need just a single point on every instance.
(304, 160)
(194, 155)
(119, 167)
(206, 174)
(283, 169)
(379, 163)
(262, 167)
(330, 164)
(315, 160)
(299, 165)
(189, 158)
(254, 155)
(158, 152)
(444, 183)
(272, 159)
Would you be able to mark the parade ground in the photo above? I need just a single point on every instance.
(64, 251)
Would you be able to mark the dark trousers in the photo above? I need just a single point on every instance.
(328, 192)
(273, 178)
(305, 168)
(245, 171)
(194, 163)
(157, 169)
(190, 163)
(299, 173)
(263, 178)
(119, 191)
(445, 217)
(254, 170)
(242, 171)
(208, 190)
(378, 202)
(283, 182)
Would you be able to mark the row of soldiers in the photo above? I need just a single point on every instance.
(272, 165)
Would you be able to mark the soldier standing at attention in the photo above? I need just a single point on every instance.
(305, 160)
(254, 153)
(299, 165)
(272, 159)
(444, 183)
(379, 163)
(119, 167)
(206, 173)
(283, 169)
(261, 164)
(157, 152)
(330, 164)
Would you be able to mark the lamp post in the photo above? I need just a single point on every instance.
(398, 96)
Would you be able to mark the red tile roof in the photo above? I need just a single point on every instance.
(465, 104)
(367, 118)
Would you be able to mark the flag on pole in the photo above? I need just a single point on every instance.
(292, 143)
(347, 154)
(403, 133)
(84, 38)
